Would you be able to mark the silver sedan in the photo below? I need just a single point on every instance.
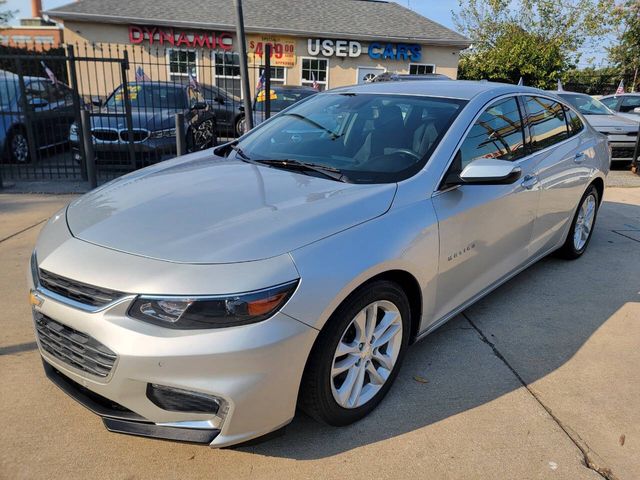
(205, 298)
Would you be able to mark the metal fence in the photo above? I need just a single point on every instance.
(132, 95)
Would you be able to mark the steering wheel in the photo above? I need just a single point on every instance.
(407, 151)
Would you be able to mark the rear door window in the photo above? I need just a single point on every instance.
(497, 134)
(547, 122)
(629, 103)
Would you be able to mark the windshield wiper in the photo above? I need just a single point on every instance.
(333, 134)
(329, 172)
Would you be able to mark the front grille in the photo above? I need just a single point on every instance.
(78, 291)
(622, 152)
(105, 135)
(72, 347)
(139, 135)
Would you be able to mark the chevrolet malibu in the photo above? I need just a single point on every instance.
(204, 298)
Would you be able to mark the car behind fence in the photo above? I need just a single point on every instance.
(132, 96)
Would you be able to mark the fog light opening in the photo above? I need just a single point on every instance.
(186, 401)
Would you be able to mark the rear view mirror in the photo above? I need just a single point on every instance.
(489, 171)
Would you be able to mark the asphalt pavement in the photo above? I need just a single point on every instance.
(538, 380)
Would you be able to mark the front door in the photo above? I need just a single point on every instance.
(366, 74)
(485, 230)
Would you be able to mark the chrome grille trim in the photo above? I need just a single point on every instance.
(74, 348)
(79, 292)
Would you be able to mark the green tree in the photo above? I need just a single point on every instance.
(626, 53)
(5, 15)
(538, 40)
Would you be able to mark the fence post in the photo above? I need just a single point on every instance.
(89, 157)
(33, 151)
(180, 138)
(73, 84)
(244, 69)
(636, 154)
(124, 66)
(267, 81)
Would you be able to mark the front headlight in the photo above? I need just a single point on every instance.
(197, 312)
(169, 132)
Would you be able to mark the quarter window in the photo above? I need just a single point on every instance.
(420, 68)
(574, 122)
(547, 122)
(496, 134)
(181, 64)
(315, 69)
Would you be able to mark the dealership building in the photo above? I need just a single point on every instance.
(326, 43)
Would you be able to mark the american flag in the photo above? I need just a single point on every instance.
(620, 89)
(314, 82)
(260, 84)
(193, 82)
(141, 76)
(49, 73)
(520, 82)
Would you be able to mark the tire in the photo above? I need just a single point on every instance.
(18, 146)
(321, 388)
(240, 126)
(588, 207)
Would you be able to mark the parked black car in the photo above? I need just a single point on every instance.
(282, 96)
(228, 108)
(153, 108)
(49, 110)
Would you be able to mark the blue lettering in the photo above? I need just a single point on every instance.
(401, 53)
(416, 52)
(388, 51)
(373, 53)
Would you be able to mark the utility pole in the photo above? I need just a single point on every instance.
(244, 70)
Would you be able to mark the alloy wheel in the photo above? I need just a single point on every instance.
(203, 135)
(19, 147)
(366, 354)
(584, 222)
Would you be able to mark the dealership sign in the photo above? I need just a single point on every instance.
(375, 50)
(179, 38)
(283, 50)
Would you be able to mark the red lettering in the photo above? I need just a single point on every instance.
(135, 35)
(183, 40)
(168, 36)
(200, 39)
(151, 34)
(225, 41)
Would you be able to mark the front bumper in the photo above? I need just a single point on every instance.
(151, 150)
(256, 369)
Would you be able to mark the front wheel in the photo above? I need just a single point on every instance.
(357, 355)
(582, 225)
(18, 146)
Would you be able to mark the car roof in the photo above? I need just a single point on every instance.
(459, 89)
(292, 87)
(630, 94)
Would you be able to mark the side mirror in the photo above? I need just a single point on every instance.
(489, 171)
(96, 102)
(199, 106)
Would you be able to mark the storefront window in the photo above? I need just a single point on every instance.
(181, 63)
(421, 68)
(315, 69)
(278, 74)
(227, 68)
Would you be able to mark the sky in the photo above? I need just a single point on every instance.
(437, 10)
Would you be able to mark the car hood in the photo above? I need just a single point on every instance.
(602, 122)
(151, 119)
(208, 209)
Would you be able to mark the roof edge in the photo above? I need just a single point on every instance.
(91, 17)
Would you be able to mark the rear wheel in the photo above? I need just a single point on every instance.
(582, 225)
(240, 126)
(357, 355)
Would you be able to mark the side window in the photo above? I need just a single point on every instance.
(610, 102)
(629, 103)
(574, 122)
(36, 93)
(548, 125)
(496, 134)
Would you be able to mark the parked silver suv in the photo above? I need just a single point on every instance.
(200, 298)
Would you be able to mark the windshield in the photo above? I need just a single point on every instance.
(370, 138)
(281, 98)
(149, 96)
(586, 105)
(8, 90)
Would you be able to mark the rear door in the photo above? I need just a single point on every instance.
(562, 149)
(485, 230)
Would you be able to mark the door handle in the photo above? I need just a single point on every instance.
(580, 156)
(529, 181)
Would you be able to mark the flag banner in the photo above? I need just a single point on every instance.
(141, 76)
(620, 89)
(49, 73)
